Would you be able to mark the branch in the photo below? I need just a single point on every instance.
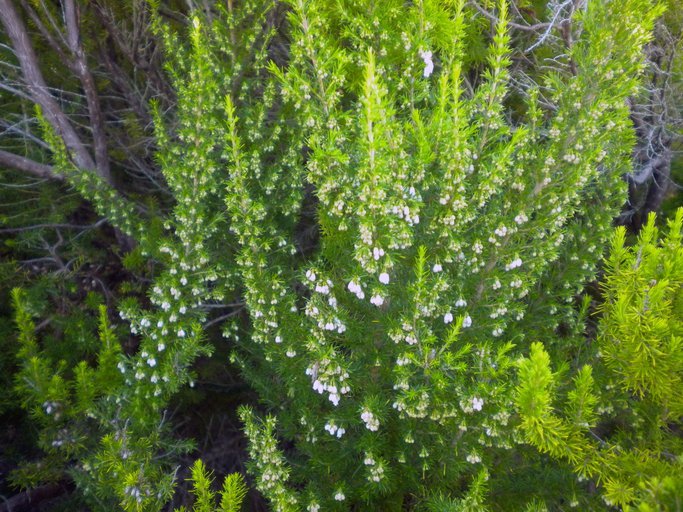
(31, 499)
(53, 226)
(38, 89)
(527, 28)
(29, 166)
(90, 89)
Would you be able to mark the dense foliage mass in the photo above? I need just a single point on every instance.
(388, 214)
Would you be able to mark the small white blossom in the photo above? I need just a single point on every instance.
(384, 278)
(448, 318)
(437, 268)
(501, 231)
(377, 300)
(521, 218)
(429, 65)
(339, 496)
(477, 403)
(371, 422)
(467, 322)
(473, 458)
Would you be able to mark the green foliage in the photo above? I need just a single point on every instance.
(206, 500)
(448, 234)
(450, 229)
(639, 373)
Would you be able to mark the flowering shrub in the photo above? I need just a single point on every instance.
(450, 231)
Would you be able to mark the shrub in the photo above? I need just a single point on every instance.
(451, 225)
(622, 414)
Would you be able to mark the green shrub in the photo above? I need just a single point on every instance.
(620, 424)
(396, 230)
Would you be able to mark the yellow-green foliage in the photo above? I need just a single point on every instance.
(642, 325)
(207, 500)
(633, 449)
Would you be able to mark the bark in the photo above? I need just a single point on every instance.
(31, 499)
(89, 87)
(28, 166)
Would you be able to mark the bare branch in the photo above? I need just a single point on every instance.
(38, 88)
(28, 166)
(527, 28)
(88, 83)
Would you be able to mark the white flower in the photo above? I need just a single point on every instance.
(339, 496)
(473, 458)
(310, 275)
(448, 318)
(437, 268)
(501, 231)
(429, 65)
(384, 278)
(371, 422)
(377, 253)
(313, 507)
(161, 347)
(291, 353)
(278, 339)
(152, 362)
(477, 403)
(521, 218)
(467, 322)
(181, 333)
(513, 264)
(377, 300)
(460, 303)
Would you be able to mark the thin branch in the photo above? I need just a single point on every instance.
(52, 226)
(28, 166)
(38, 89)
(88, 82)
(527, 28)
(549, 26)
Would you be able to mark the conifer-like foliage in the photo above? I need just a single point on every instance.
(449, 230)
(229, 499)
(620, 420)
(452, 225)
